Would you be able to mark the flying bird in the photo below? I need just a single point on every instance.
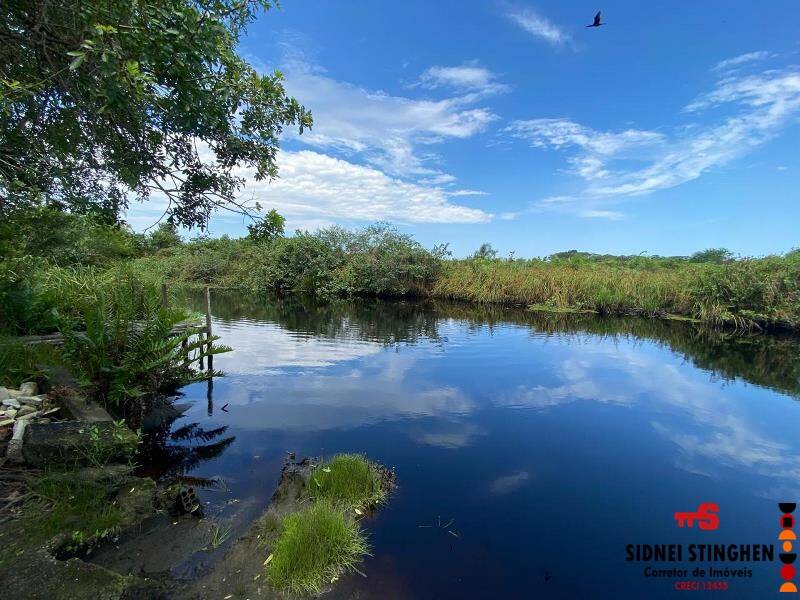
(597, 22)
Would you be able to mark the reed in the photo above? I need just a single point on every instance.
(745, 293)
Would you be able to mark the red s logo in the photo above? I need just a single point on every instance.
(706, 517)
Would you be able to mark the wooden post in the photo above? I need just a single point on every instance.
(208, 329)
(164, 297)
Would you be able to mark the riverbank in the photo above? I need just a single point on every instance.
(761, 293)
(713, 286)
(747, 293)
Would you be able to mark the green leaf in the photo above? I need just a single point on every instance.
(77, 62)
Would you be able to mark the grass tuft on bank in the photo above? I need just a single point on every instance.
(74, 508)
(349, 481)
(315, 547)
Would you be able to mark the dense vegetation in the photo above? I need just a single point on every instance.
(710, 286)
(60, 254)
(743, 292)
(117, 341)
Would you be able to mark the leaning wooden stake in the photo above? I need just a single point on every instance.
(208, 330)
(164, 297)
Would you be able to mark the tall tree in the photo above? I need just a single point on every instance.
(104, 102)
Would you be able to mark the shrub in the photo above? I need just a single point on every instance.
(22, 362)
(383, 262)
(65, 238)
(268, 228)
(304, 263)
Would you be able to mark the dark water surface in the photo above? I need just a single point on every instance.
(544, 444)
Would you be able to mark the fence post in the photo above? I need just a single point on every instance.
(208, 330)
(164, 297)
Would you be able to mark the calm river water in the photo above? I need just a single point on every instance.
(530, 450)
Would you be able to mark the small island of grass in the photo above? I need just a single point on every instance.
(349, 481)
(323, 541)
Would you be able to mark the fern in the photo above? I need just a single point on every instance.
(121, 347)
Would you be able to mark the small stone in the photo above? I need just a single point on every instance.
(29, 388)
(34, 401)
(11, 403)
(29, 416)
(25, 410)
(6, 422)
(14, 393)
(10, 413)
(14, 449)
(4, 394)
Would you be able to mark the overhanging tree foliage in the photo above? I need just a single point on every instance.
(107, 101)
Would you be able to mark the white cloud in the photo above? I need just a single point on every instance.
(315, 190)
(742, 59)
(711, 429)
(620, 165)
(314, 185)
(467, 193)
(393, 133)
(539, 26)
(469, 76)
(600, 214)
(449, 435)
(509, 483)
(597, 146)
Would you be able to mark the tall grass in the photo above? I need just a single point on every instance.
(349, 481)
(762, 292)
(606, 289)
(315, 547)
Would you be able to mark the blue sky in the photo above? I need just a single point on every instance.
(672, 128)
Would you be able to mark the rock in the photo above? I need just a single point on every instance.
(6, 422)
(25, 410)
(11, 403)
(81, 409)
(14, 393)
(29, 388)
(11, 413)
(29, 416)
(4, 394)
(68, 442)
(14, 449)
(35, 401)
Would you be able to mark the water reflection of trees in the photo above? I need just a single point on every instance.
(367, 319)
(170, 454)
(771, 361)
